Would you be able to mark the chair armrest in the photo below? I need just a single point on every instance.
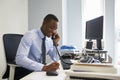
(12, 70)
(13, 65)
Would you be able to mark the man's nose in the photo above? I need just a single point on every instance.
(53, 31)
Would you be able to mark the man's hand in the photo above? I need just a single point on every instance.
(52, 67)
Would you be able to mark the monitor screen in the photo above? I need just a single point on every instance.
(94, 28)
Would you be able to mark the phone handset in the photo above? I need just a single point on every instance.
(53, 37)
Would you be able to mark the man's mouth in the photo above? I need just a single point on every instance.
(51, 34)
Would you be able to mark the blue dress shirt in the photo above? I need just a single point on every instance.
(29, 53)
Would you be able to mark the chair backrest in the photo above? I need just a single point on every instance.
(11, 43)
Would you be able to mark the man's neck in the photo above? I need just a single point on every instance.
(42, 30)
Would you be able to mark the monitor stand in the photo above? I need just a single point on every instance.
(99, 44)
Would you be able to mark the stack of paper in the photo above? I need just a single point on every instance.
(87, 67)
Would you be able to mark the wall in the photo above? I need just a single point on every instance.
(64, 22)
(74, 23)
(13, 19)
(117, 32)
(38, 9)
(110, 27)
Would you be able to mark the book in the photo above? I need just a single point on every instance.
(93, 67)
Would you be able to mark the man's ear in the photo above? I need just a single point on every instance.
(44, 22)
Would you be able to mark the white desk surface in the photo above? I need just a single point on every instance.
(42, 76)
(63, 75)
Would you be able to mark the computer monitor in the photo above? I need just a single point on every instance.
(94, 30)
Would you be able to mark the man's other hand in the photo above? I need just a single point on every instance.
(52, 67)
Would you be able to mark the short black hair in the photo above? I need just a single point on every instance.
(50, 17)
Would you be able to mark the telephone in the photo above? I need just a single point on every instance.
(51, 73)
(53, 36)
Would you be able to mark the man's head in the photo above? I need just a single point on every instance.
(49, 25)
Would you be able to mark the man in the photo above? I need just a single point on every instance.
(29, 54)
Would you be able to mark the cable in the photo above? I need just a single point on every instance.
(61, 57)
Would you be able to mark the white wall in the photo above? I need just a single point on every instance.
(74, 23)
(117, 32)
(13, 19)
(64, 22)
(38, 9)
(110, 27)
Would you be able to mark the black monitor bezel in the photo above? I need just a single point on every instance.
(91, 22)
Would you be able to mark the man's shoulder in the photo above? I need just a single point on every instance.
(31, 33)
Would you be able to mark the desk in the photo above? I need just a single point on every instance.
(42, 76)
(64, 75)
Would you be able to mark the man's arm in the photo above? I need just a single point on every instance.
(53, 54)
(23, 52)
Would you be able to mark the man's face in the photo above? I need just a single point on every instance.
(50, 28)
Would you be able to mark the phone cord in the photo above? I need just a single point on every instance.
(61, 57)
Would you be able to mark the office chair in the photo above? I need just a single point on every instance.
(11, 43)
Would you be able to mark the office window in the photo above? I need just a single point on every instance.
(93, 10)
(90, 10)
(117, 32)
